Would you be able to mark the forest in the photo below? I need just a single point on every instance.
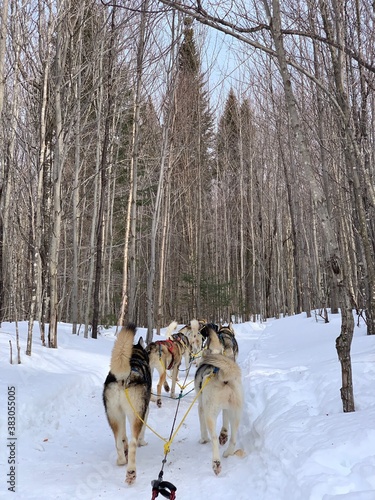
(177, 159)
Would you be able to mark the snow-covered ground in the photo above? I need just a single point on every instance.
(299, 444)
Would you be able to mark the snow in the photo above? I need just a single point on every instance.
(298, 443)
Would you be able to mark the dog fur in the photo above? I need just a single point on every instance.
(130, 371)
(167, 355)
(226, 337)
(192, 331)
(223, 392)
(215, 345)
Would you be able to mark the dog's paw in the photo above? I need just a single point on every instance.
(142, 442)
(130, 476)
(204, 440)
(216, 465)
(229, 451)
(223, 438)
(166, 387)
(240, 453)
(122, 461)
(158, 402)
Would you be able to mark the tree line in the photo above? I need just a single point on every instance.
(125, 194)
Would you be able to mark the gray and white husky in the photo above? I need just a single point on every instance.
(220, 378)
(126, 395)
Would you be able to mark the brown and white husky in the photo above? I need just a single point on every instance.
(167, 355)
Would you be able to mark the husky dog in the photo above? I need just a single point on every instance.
(126, 394)
(218, 383)
(167, 355)
(192, 332)
(215, 345)
(226, 337)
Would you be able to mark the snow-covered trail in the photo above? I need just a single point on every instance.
(65, 448)
(298, 443)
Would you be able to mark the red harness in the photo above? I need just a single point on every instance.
(170, 346)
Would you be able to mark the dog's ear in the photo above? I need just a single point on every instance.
(141, 342)
(206, 329)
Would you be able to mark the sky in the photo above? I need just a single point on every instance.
(297, 442)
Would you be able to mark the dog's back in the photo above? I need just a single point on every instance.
(224, 372)
(126, 394)
(228, 339)
(167, 355)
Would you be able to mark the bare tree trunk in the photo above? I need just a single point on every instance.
(3, 32)
(75, 197)
(353, 159)
(103, 173)
(337, 264)
(58, 164)
(165, 163)
(97, 191)
(129, 278)
(37, 299)
(163, 249)
(324, 163)
(154, 229)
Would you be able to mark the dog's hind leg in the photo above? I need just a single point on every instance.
(202, 421)
(119, 433)
(223, 437)
(131, 472)
(161, 371)
(165, 381)
(162, 381)
(141, 439)
(234, 424)
(211, 426)
(174, 380)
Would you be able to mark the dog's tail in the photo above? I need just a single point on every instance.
(194, 324)
(171, 328)
(122, 352)
(215, 345)
(228, 369)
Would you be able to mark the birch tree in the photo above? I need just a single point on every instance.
(169, 114)
(3, 176)
(103, 174)
(129, 261)
(338, 265)
(57, 172)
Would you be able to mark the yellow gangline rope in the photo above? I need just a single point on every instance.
(166, 441)
(183, 386)
(140, 418)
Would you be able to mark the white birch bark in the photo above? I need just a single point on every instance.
(129, 270)
(339, 271)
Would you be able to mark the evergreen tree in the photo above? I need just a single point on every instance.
(192, 170)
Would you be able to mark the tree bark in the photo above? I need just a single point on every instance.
(103, 175)
(128, 304)
(336, 261)
(3, 174)
(58, 164)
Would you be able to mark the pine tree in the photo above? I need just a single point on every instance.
(192, 169)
